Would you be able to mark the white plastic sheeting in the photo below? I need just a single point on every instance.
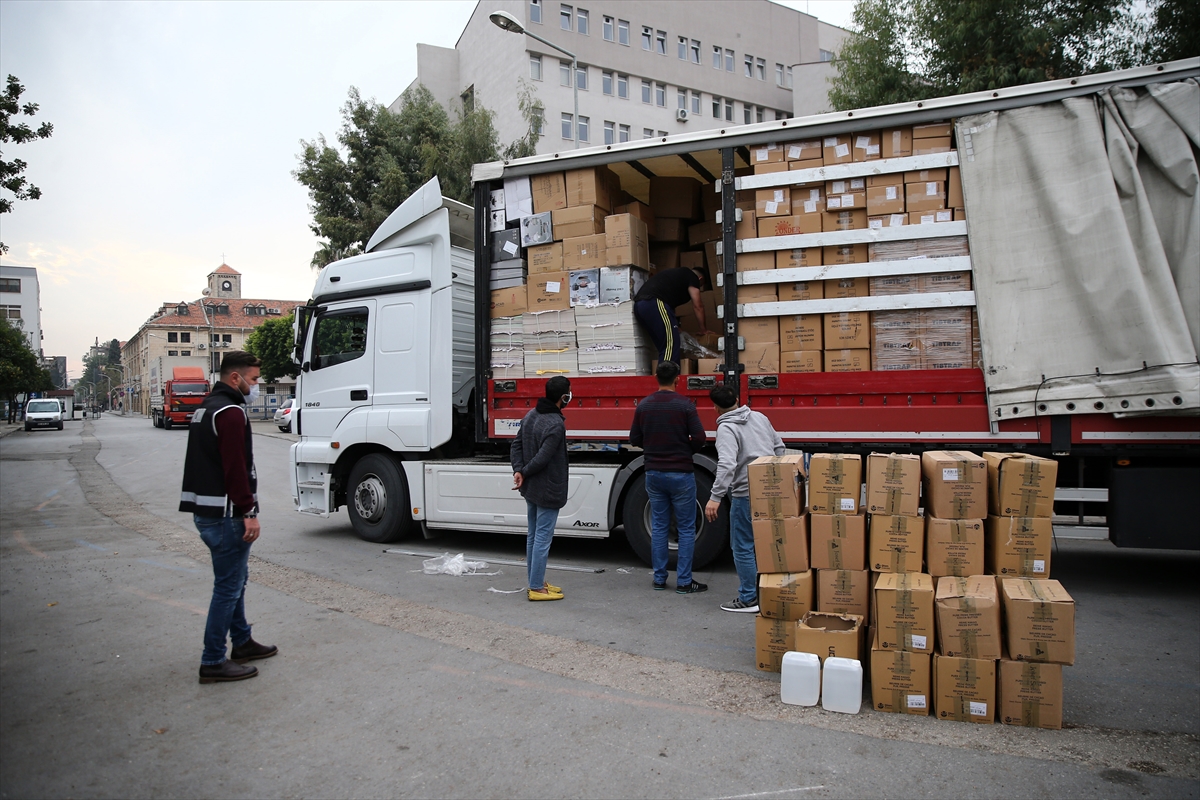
(1084, 223)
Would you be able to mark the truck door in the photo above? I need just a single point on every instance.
(337, 378)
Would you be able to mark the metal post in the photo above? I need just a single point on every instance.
(733, 366)
(575, 89)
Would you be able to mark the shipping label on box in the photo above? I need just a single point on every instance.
(506, 245)
(964, 689)
(545, 258)
(1020, 485)
(772, 638)
(847, 330)
(897, 543)
(771, 152)
(1039, 620)
(511, 302)
(585, 286)
(887, 221)
(866, 146)
(584, 252)
(925, 196)
(803, 151)
(954, 547)
(968, 617)
(785, 595)
(802, 332)
(835, 202)
(901, 682)
(955, 484)
(1030, 694)
(834, 483)
(885, 199)
(549, 291)
(626, 242)
(829, 635)
(930, 217)
(894, 484)
(844, 591)
(775, 202)
(904, 612)
(848, 360)
(776, 483)
(836, 150)
(800, 361)
(1018, 547)
(781, 545)
(896, 142)
(838, 541)
(549, 192)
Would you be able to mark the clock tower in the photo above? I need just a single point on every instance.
(225, 282)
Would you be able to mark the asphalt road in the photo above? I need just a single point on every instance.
(394, 683)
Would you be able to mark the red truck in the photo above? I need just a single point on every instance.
(180, 397)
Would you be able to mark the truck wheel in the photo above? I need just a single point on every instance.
(377, 500)
(167, 423)
(711, 537)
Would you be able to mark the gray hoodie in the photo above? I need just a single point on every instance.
(742, 436)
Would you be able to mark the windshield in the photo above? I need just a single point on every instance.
(189, 388)
(43, 406)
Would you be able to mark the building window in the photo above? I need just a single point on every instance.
(623, 133)
(695, 50)
(760, 69)
(172, 336)
(583, 128)
(581, 20)
(568, 126)
(564, 17)
(185, 352)
(827, 55)
(227, 338)
(716, 107)
(10, 285)
(728, 110)
(183, 310)
(606, 82)
(623, 86)
(779, 74)
(607, 29)
(660, 43)
(185, 338)
(729, 61)
(222, 309)
(746, 114)
(758, 114)
(535, 11)
(681, 48)
(749, 63)
(623, 32)
(610, 132)
(682, 97)
(539, 121)
(647, 38)
(216, 337)
(10, 312)
(647, 133)
(716, 56)
(660, 95)
(696, 103)
(581, 74)
(535, 67)
(788, 77)
(468, 99)
(564, 73)
(172, 352)
(662, 134)
(646, 87)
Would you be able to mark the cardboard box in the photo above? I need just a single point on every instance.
(789, 225)
(930, 217)
(954, 547)
(844, 185)
(671, 229)
(834, 483)
(847, 330)
(584, 252)
(663, 257)
(838, 542)
(774, 202)
(771, 152)
(511, 302)
(894, 484)
(885, 199)
(847, 287)
(506, 245)
(922, 175)
(701, 232)
(964, 689)
(836, 150)
(866, 146)
(925, 196)
(960, 215)
(751, 262)
(845, 254)
(854, 220)
(925, 147)
(1039, 620)
(678, 198)
(804, 151)
(827, 634)
(620, 284)
(887, 221)
(577, 221)
(896, 142)
(692, 259)
(1020, 485)
(756, 293)
(841, 202)
(537, 229)
(781, 545)
(759, 330)
(549, 192)
(946, 282)
(545, 258)
(687, 314)
(903, 612)
(954, 195)
(776, 478)
(931, 130)
(1030, 694)
(797, 257)
(590, 187)
(746, 228)
(803, 290)
(707, 366)
(772, 638)
(496, 220)
(955, 484)
(901, 682)
(710, 200)
(1018, 547)
(639, 210)
(848, 360)
(785, 595)
(771, 166)
(844, 591)
(897, 543)
(761, 358)
(549, 291)
(626, 242)
(968, 617)
(799, 361)
(584, 286)
(802, 332)
(808, 198)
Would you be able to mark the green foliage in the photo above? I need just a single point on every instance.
(906, 50)
(272, 343)
(114, 352)
(1175, 31)
(534, 113)
(20, 370)
(17, 133)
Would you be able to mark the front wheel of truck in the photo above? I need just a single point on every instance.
(711, 537)
(377, 500)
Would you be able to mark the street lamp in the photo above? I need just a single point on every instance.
(507, 22)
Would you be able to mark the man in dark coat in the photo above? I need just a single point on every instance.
(539, 462)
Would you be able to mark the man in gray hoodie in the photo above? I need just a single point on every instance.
(742, 436)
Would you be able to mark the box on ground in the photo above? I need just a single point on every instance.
(968, 617)
(954, 547)
(896, 543)
(894, 484)
(772, 638)
(955, 484)
(830, 635)
(1039, 620)
(1018, 546)
(900, 681)
(964, 689)
(1020, 485)
(838, 541)
(1030, 694)
(844, 591)
(834, 483)
(781, 545)
(904, 612)
(785, 595)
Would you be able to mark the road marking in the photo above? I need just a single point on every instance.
(40, 506)
(89, 544)
(20, 537)
(768, 794)
(200, 612)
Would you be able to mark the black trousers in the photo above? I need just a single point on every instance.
(660, 322)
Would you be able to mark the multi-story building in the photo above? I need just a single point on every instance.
(198, 333)
(645, 69)
(20, 302)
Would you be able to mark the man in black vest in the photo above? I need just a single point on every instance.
(219, 484)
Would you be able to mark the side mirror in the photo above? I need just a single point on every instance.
(305, 367)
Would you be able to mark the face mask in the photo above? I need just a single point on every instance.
(566, 399)
(252, 395)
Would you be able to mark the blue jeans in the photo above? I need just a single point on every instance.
(231, 569)
(672, 491)
(537, 542)
(741, 541)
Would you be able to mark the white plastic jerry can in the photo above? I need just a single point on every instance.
(800, 679)
(841, 685)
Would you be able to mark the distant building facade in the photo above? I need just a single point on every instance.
(645, 69)
(20, 302)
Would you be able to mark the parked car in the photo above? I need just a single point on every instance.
(283, 416)
(43, 414)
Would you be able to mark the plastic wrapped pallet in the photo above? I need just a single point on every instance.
(508, 364)
(549, 343)
(550, 362)
(896, 340)
(919, 248)
(507, 333)
(946, 338)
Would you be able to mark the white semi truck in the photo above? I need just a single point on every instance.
(1083, 218)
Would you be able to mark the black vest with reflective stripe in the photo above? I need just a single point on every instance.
(203, 474)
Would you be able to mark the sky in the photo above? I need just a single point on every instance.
(176, 130)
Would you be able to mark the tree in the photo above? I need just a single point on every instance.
(906, 50)
(20, 370)
(114, 352)
(11, 177)
(1174, 33)
(272, 342)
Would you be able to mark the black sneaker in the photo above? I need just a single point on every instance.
(658, 587)
(738, 606)
(691, 588)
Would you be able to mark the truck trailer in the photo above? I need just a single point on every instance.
(1071, 254)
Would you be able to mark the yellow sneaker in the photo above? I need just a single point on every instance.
(545, 595)
(550, 587)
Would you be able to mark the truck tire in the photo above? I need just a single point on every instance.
(711, 537)
(167, 422)
(377, 500)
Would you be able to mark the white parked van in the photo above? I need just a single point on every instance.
(43, 414)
